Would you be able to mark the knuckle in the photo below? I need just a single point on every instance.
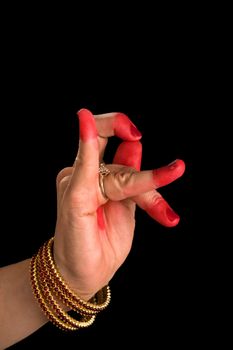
(78, 199)
(62, 174)
(61, 184)
(155, 199)
(125, 179)
(75, 198)
(58, 178)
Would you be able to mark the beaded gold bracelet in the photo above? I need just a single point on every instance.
(36, 290)
(103, 297)
(85, 322)
(60, 294)
(49, 286)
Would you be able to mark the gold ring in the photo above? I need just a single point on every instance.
(103, 171)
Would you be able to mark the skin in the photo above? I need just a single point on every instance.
(93, 235)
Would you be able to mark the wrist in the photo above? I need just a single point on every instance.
(70, 278)
(48, 284)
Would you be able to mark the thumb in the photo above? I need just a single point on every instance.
(87, 162)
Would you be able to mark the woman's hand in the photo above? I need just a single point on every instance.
(93, 234)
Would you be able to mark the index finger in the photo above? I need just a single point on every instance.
(117, 124)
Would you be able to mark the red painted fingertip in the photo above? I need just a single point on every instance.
(172, 216)
(135, 132)
(178, 165)
(163, 213)
(87, 126)
(167, 174)
(125, 129)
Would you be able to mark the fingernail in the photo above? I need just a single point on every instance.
(134, 131)
(173, 164)
(171, 215)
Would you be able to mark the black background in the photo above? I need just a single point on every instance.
(154, 79)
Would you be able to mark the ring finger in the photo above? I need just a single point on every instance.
(124, 182)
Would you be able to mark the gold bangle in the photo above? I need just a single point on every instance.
(36, 290)
(60, 294)
(103, 296)
(47, 283)
(84, 322)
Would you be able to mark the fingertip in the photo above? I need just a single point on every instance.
(135, 132)
(84, 113)
(167, 174)
(180, 167)
(125, 129)
(173, 218)
(87, 126)
(163, 213)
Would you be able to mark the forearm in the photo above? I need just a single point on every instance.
(20, 315)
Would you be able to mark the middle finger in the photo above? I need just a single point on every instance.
(125, 182)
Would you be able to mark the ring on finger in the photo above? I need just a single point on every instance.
(103, 172)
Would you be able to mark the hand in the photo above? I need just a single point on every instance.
(93, 234)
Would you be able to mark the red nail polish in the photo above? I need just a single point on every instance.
(134, 131)
(172, 216)
(173, 165)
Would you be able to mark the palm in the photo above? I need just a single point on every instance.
(120, 228)
(95, 257)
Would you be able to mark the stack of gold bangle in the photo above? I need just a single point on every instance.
(48, 286)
